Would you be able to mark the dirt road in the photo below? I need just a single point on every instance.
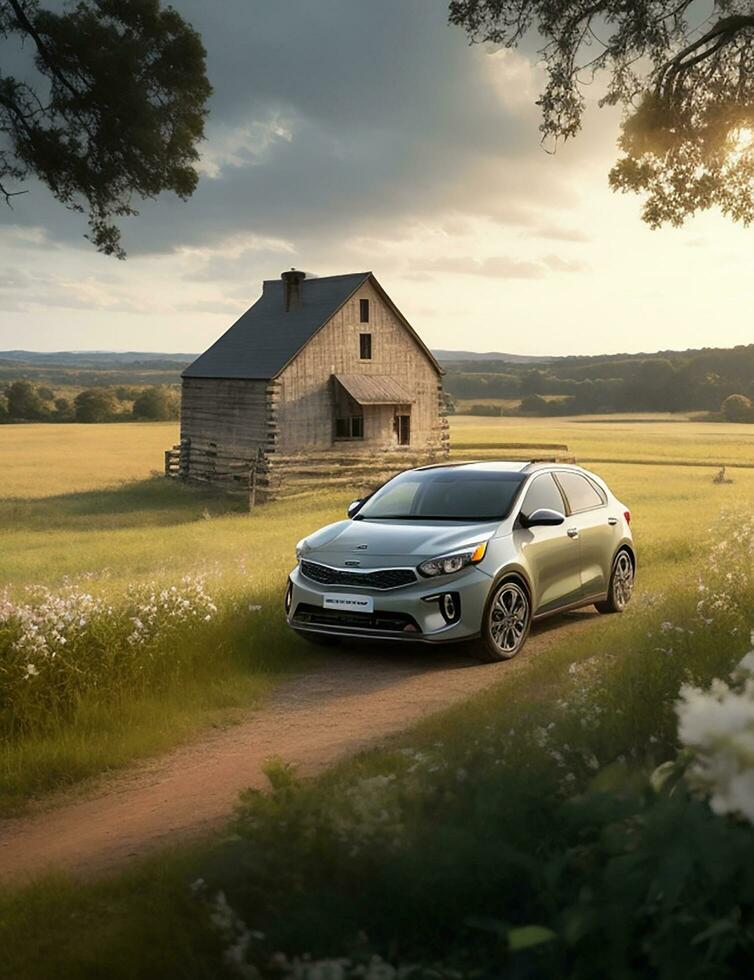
(352, 701)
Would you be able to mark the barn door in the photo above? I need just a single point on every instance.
(403, 429)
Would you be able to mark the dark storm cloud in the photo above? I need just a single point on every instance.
(383, 113)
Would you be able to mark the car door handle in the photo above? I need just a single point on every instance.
(612, 520)
(572, 532)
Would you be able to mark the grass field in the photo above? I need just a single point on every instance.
(80, 506)
(612, 438)
(518, 835)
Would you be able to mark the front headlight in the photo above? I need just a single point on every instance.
(300, 549)
(447, 564)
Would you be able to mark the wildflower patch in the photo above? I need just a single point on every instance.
(56, 646)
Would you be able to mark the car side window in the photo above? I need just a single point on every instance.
(581, 493)
(542, 493)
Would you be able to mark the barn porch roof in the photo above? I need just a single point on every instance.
(267, 337)
(374, 389)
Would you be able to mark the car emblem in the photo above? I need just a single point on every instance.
(360, 547)
(353, 563)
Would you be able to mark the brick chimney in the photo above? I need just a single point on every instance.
(292, 289)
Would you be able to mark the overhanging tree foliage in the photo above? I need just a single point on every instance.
(117, 112)
(682, 69)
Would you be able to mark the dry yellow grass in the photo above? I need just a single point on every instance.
(78, 499)
(661, 438)
(40, 459)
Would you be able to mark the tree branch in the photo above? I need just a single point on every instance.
(722, 32)
(9, 194)
(26, 25)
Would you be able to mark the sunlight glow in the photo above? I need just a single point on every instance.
(741, 140)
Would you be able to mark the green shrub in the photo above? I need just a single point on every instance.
(95, 405)
(531, 841)
(63, 409)
(737, 408)
(25, 403)
(481, 409)
(534, 405)
(158, 403)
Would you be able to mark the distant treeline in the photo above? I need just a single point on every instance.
(23, 401)
(93, 375)
(694, 380)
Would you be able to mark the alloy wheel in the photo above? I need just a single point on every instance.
(509, 618)
(623, 580)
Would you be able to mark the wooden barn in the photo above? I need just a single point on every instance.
(322, 379)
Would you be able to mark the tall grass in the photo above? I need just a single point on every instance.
(517, 836)
(92, 679)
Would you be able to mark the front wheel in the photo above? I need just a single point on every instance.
(621, 585)
(506, 622)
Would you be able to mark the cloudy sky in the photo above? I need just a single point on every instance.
(347, 135)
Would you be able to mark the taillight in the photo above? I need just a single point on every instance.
(627, 515)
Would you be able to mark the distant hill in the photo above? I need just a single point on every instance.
(89, 358)
(90, 368)
(667, 381)
(470, 355)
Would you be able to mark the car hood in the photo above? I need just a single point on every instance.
(402, 542)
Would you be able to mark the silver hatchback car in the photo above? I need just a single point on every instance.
(465, 551)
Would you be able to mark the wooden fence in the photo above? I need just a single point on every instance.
(534, 452)
(272, 475)
(215, 467)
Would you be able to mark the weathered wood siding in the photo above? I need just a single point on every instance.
(230, 414)
(305, 398)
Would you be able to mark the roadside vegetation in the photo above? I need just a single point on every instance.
(590, 817)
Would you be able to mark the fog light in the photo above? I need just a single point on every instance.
(288, 597)
(450, 606)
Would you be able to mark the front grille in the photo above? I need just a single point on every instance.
(393, 622)
(380, 578)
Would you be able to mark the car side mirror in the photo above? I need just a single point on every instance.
(354, 507)
(543, 517)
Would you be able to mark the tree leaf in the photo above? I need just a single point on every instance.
(524, 937)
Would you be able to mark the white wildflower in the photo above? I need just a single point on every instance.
(718, 725)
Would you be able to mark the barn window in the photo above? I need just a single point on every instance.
(351, 427)
(364, 310)
(365, 345)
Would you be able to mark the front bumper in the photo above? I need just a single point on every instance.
(403, 614)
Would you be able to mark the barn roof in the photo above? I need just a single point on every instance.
(374, 389)
(267, 337)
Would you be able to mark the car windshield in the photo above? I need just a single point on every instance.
(445, 494)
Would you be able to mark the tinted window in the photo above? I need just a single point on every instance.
(452, 494)
(542, 493)
(582, 495)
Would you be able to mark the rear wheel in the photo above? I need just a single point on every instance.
(506, 622)
(621, 585)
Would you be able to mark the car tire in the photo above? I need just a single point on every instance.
(621, 585)
(318, 639)
(506, 621)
